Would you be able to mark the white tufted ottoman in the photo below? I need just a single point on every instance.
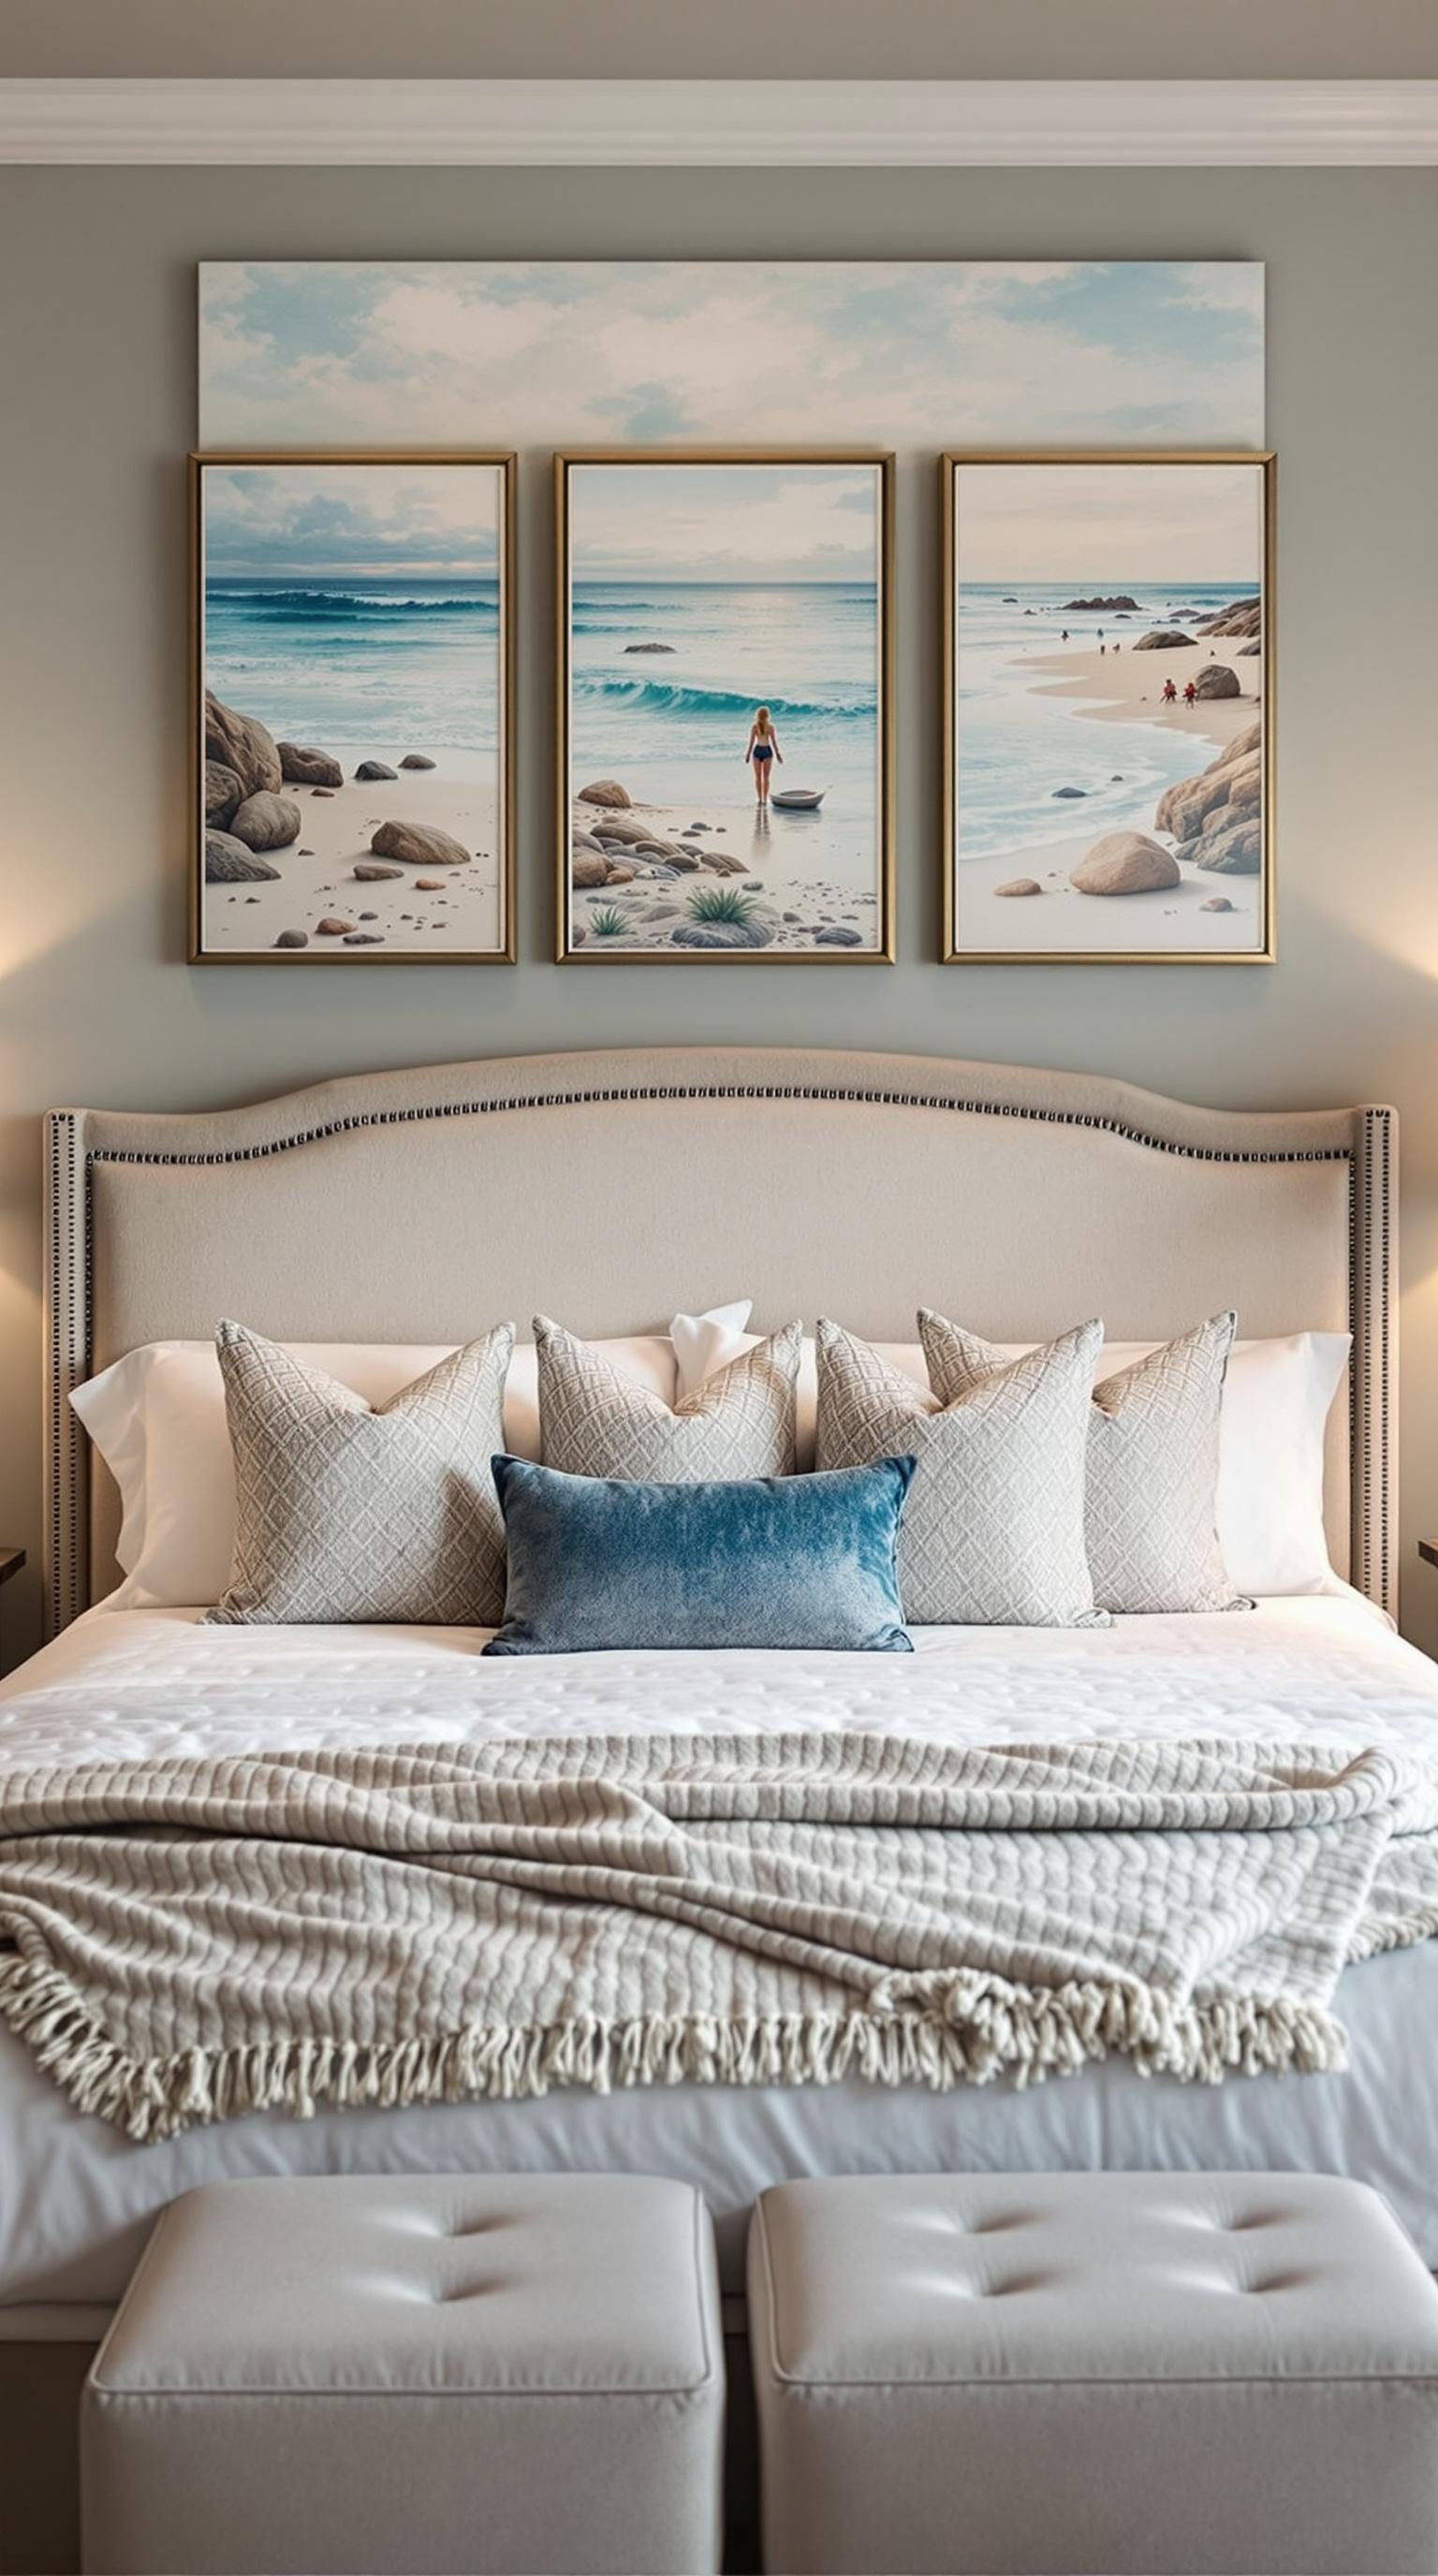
(1057, 2374)
(417, 2374)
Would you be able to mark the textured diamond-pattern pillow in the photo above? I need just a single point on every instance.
(352, 1513)
(1152, 1490)
(595, 1421)
(1152, 1509)
(993, 1530)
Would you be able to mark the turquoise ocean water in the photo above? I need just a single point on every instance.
(1016, 748)
(360, 665)
(675, 723)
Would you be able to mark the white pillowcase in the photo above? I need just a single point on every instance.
(157, 1417)
(1277, 1397)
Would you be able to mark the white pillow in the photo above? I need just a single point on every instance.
(157, 1417)
(704, 1343)
(1277, 1397)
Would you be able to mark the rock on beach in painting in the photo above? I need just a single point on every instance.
(300, 855)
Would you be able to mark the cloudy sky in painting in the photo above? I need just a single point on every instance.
(913, 357)
(745, 523)
(1106, 525)
(364, 521)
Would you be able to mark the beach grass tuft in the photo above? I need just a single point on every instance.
(720, 903)
(608, 923)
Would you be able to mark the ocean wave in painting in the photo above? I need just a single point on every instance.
(681, 698)
(368, 608)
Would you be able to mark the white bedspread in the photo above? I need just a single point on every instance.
(76, 2197)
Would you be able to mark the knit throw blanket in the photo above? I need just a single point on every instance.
(185, 1940)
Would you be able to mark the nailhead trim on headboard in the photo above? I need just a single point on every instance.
(67, 1332)
(719, 1091)
(1372, 1374)
(70, 1239)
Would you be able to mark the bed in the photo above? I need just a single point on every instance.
(613, 1189)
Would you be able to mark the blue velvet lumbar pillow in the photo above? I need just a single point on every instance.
(596, 1564)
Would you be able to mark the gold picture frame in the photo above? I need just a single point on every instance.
(443, 792)
(830, 950)
(1219, 896)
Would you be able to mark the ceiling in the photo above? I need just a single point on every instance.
(795, 40)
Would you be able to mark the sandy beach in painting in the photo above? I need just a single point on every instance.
(1123, 691)
(1139, 923)
(796, 882)
(330, 884)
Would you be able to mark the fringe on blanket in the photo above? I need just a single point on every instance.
(941, 2030)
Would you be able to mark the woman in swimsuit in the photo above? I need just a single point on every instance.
(763, 748)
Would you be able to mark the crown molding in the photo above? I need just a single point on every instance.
(724, 124)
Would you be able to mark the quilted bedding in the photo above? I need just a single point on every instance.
(1325, 1674)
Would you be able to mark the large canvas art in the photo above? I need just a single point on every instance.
(352, 707)
(908, 359)
(1107, 729)
(913, 356)
(724, 776)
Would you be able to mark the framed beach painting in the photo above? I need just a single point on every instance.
(1108, 681)
(725, 760)
(352, 708)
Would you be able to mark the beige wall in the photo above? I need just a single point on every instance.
(96, 1005)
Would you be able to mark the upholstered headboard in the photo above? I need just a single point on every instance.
(613, 1188)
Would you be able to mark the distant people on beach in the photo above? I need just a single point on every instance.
(1064, 635)
(763, 751)
(1170, 694)
(1190, 695)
